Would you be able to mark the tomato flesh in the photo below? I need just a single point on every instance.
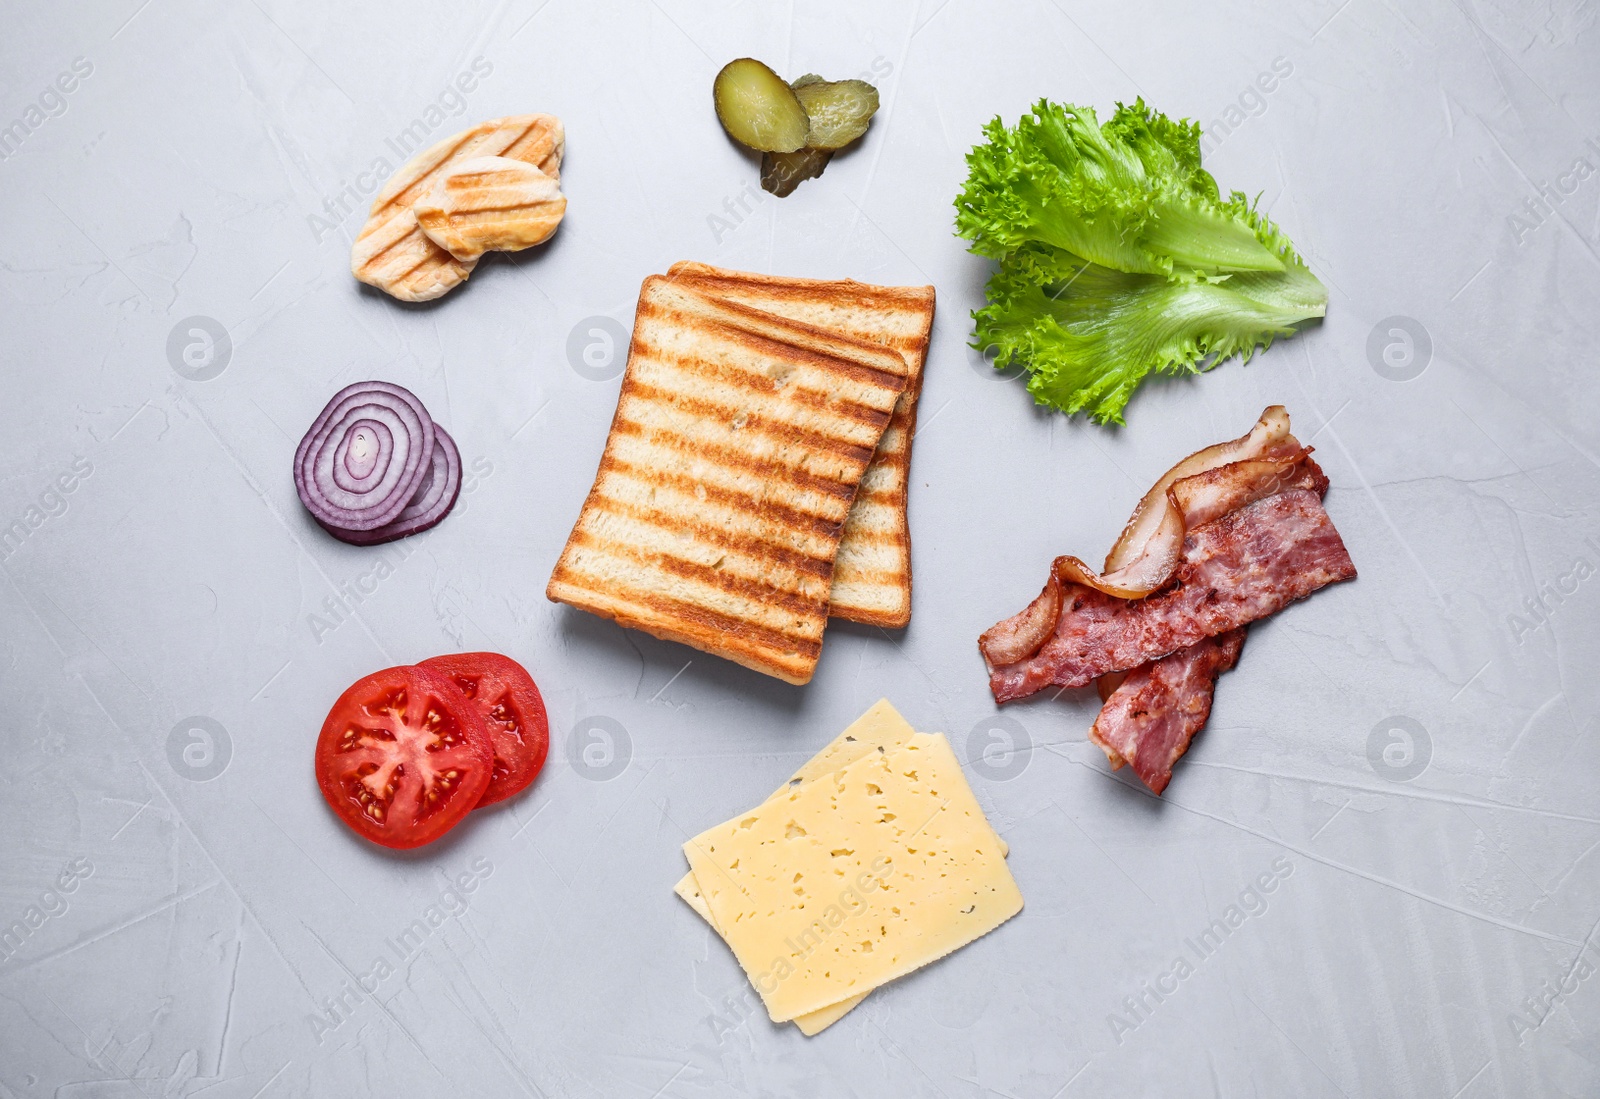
(512, 708)
(403, 757)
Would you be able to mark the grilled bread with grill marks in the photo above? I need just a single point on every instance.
(394, 254)
(490, 204)
(872, 576)
(739, 442)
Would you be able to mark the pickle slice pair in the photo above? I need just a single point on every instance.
(797, 127)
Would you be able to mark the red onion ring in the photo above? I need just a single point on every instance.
(371, 491)
(365, 450)
(434, 498)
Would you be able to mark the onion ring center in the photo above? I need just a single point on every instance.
(361, 471)
(362, 453)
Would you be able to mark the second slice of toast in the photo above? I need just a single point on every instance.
(872, 576)
(739, 442)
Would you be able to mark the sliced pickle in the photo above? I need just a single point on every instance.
(781, 173)
(758, 109)
(839, 109)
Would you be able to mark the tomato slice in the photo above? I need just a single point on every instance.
(513, 709)
(403, 757)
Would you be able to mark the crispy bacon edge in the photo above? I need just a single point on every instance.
(1151, 544)
(1247, 565)
(1201, 497)
(1024, 633)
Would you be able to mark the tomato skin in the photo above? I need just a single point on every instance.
(512, 708)
(410, 729)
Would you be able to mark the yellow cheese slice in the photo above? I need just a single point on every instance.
(880, 728)
(813, 1023)
(689, 890)
(834, 887)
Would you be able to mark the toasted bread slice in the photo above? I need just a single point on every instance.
(738, 444)
(393, 253)
(872, 576)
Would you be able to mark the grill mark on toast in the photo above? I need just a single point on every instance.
(825, 291)
(712, 623)
(901, 320)
(776, 419)
(865, 537)
(761, 384)
(776, 513)
(762, 594)
(805, 335)
(718, 413)
(753, 547)
(758, 343)
(757, 466)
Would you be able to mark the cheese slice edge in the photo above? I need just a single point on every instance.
(880, 727)
(830, 889)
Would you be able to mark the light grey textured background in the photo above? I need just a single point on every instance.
(1431, 937)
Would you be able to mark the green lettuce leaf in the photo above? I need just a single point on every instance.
(1119, 257)
(1089, 335)
(1130, 195)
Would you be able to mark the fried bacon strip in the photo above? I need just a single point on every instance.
(1230, 534)
(1246, 565)
(1149, 720)
(1025, 632)
(1149, 548)
(1194, 501)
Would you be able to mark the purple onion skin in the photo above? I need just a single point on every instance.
(427, 508)
(350, 407)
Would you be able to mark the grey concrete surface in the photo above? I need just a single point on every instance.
(1412, 757)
